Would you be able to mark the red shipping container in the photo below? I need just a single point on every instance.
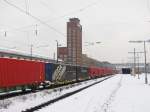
(14, 72)
(93, 71)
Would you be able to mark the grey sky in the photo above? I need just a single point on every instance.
(113, 22)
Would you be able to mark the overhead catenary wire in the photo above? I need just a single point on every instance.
(53, 19)
(14, 42)
(19, 44)
(45, 5)
(15, 47)
(34, 17)
(76, 11)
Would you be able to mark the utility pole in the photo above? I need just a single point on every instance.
(134, 52)
(145, 68)
(134, 63)
(31, 51)
(138, 65)
(57, 50)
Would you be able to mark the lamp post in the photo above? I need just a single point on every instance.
(145, 69)
(145, 65)
(92, 43)
(57, 44)
(86, 62)
(31, 49)
(138, 65)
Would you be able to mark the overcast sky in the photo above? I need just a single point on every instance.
(113, 22)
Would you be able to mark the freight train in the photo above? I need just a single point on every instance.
(23, 74)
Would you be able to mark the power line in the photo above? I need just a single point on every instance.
(78, 10)
(14, 42)
(54, 19)
(34, 17)
(45, 5)
(19, 28)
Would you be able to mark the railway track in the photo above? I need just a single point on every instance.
(38, 107)
(14, 94)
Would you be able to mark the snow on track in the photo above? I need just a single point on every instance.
(17, 104)
(88, 100)
(122, 93)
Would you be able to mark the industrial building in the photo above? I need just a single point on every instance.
(74, 41)
(72, 54)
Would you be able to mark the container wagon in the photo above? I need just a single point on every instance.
(83, 73)
(63, 72)
(54, 72)
(20, 73)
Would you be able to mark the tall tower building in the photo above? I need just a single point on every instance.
(74, 41)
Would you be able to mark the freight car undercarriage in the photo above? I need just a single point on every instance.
(18, 91)
(52, 101)
(29, 75)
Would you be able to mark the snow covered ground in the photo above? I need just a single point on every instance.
(133, 96)
(142, 77)
(122, 93)
(19, 103)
